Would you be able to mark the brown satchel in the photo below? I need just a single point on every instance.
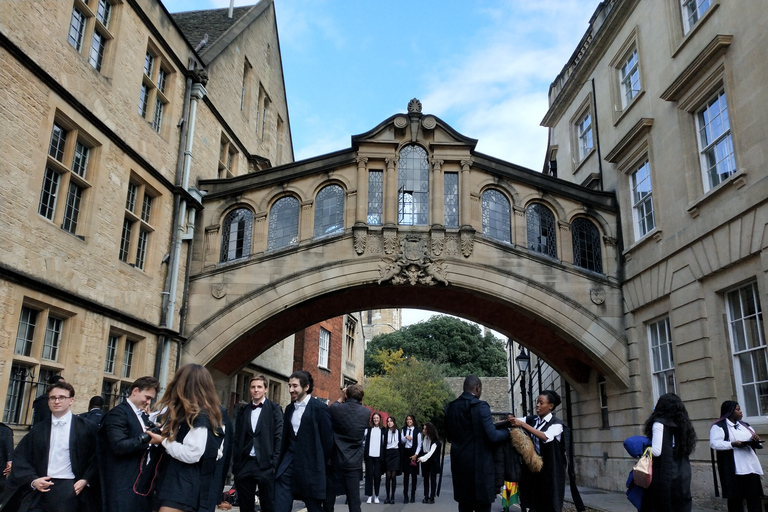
(643, 470)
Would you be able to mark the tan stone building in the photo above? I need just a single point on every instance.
(663, 103)
(110, 113)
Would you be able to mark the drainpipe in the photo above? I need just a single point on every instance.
(597, 137)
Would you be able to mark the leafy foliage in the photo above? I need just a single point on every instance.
(458, 346)
(409, 386)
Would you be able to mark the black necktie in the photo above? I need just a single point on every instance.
(256, 406)
(145, 418)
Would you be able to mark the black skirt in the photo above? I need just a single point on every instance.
(392, 459)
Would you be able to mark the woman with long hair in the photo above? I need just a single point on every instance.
(191, 435)
(409, 440)
(673, 439)
(391, 459)
(429, 457)
(373, 454)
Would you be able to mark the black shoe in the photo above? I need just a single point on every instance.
(425, 500)
(413, 498)
(432, 500)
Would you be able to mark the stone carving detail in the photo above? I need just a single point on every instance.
(413, 265)
(401, 122)
(467, 243)
(414, 106)
(597, 295)
(452, 246)
(218, 290)
(390, 244)
(361, 237)
(429, 122)
(438, 245)
(374, 245)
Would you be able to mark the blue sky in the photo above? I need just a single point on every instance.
(483, 67)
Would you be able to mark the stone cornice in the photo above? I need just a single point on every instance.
(703, 60)
(640, 128)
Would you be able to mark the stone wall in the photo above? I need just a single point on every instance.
(495, 392)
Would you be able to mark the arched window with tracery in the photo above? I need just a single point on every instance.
(283, 223)
(329, 211)
(586, 245)
(236, 232)
(413, 186)
(496, 216)
(541, 230)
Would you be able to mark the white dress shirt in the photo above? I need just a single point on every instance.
(298, 412)
(59, 462)
(553, 432)
(393, 439)
(657, 438)
(374, 448)
(429, 447)
(137, 412)
(255, 415)
(408, 432)
(191, 449)
(744, 458)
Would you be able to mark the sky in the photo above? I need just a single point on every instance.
(482, 66)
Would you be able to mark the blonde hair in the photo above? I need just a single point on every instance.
(190, 393)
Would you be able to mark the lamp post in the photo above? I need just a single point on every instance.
(522, 360)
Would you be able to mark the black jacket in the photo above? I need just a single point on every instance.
(470, 430)
(349, 421)
(6, 450)
(312, 449)
(122, 443)
(267, 440)
(94, 415)
(31, 462)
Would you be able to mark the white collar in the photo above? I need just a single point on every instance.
(545, 419)
(67, 418)
(135, 409)
(263, 399)
(304, 402)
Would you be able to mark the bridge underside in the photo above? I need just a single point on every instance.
(553, 346)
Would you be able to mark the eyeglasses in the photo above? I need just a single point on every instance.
(58, 398)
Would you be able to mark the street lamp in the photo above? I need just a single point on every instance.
(522, 360)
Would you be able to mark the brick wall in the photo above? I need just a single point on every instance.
(306, 351)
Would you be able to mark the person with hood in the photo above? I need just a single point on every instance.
(734, 441)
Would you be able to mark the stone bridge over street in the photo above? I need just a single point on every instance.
(409, 216)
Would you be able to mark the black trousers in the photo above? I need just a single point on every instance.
(284, 497)
(748, 488)
(247, 479)
(60, 498)
(349, 479)
(474, 507)
(373, 476)
(430, 480)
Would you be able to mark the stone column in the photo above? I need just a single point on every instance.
(361, 207)
(465, 203)
(610, 258)
(306, 220)
(437, 197)
(519, 226)
(566, 242)
(390, 192)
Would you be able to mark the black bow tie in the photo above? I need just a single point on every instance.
(256, 406)
(736, 426)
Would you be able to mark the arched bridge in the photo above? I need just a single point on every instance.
(409, 216)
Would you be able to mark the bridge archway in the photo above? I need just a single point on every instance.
(566, 311)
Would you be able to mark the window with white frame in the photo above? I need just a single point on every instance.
(629, 78)
(154, 93)
(750, 358)
(642, 200)
(67, 171)
(120, 363)
(584, 135)
(137, 224)
(325, 346)
(349, 334)
(715, 145)
(90, 22)
(692, 11)
(662, 362)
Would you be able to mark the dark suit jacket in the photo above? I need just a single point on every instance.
(470, 430)
(31, 463)
(94, 415)
(312, 449)
(267, 440)
(122, 444)
(6, 450)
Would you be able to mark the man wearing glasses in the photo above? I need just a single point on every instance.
(55, 462)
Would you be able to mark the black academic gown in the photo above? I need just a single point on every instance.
(31, 462)
(6, 452)
(268, 437)
(470, 430)
(545, 491)
(122, 443)
(311, 449)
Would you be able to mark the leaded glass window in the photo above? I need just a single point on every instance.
(329, 211)
(413, 186)
(76, 28)
(375, 197)
(451, 199)
(52, 341)
(26, 332)
(496, 216)
(72, 211)
(750, 365)
(283, 223)
(541, 230)
(586, 245)
(48, 194)
(236, 234)
(662, 362)
(109, 362)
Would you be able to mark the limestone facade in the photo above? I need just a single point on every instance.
(663, 105)
(96, 106)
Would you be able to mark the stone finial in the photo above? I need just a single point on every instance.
(414, 106)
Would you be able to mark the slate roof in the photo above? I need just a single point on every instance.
(214, 22)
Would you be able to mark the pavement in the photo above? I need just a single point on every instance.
(596, 500)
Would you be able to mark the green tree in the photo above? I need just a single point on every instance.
(457, 345)
(409, 387)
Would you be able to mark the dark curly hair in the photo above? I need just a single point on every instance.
(670, 411)
(305, 379)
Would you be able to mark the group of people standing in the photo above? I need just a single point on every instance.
(391, 452)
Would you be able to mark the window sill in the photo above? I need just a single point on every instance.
(687, 37)
(737, 179)
(324, 368)
(583, 161)
(619, 114)
(655, 234)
